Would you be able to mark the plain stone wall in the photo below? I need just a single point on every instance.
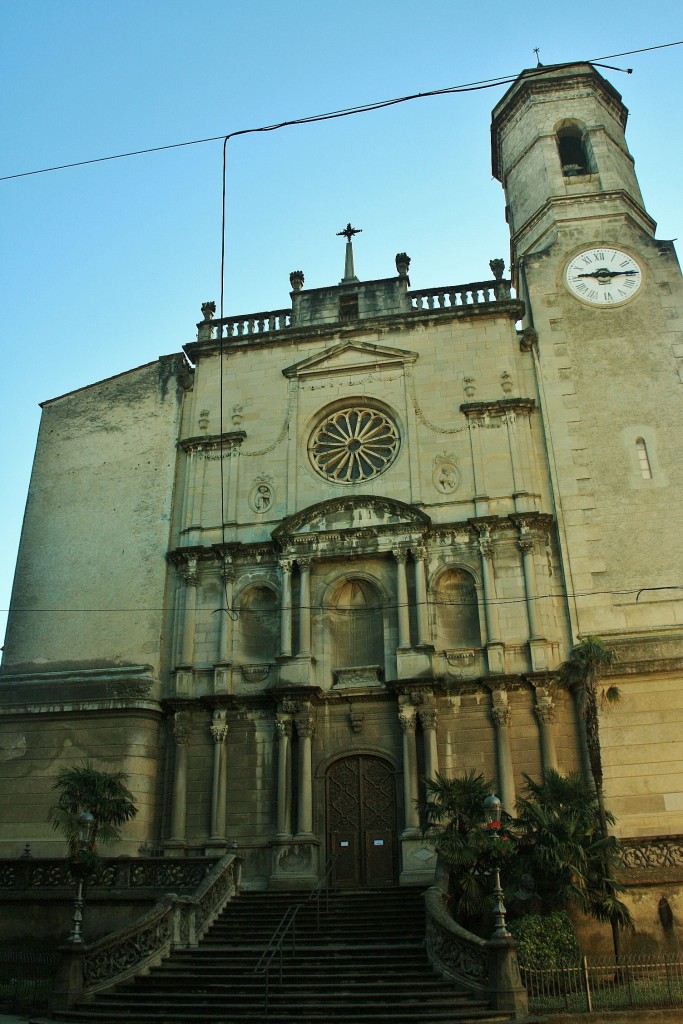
(35, 745)
(91, 569)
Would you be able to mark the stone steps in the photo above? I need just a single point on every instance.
(365, 964)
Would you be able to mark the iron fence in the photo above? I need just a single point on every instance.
(26, 977)
(593, 984)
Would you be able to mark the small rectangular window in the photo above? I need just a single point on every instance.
(643, 459)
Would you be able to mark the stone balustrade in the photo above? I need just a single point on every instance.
(487, 968)
(175, 922)
(114, 873)
(458, 295)
(251, 325)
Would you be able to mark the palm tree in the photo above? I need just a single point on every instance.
(587, 663)
(82, 787)
(565, 850)
(453, 813)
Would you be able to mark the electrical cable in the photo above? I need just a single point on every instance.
(486, 83)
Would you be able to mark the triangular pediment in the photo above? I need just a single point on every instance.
(350, 356)
(357, 512)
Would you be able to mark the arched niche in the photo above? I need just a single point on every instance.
(259, 623)
(356, 624)
(457, 610)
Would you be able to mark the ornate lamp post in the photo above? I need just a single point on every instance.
(86, 821)
(492, 808)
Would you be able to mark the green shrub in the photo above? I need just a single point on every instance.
(545, 940)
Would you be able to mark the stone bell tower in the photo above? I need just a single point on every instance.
(604, 328)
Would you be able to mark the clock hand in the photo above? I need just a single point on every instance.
(604, 273)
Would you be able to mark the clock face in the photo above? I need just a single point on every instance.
(603, 277)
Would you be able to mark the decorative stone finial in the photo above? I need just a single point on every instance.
(296, 279)
(208, 310)
(497, 268)
(402, 264)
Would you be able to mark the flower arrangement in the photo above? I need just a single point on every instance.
(494, 845)
(84, 863)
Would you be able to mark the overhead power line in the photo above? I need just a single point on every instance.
(486, 83)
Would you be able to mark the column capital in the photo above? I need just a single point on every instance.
(304, 562)
(428, 717)
(305, 725)
(182, 722)
(283, 728)
(500, 713)
(190, 572)
(219, 725)
(419, 553)
(545, 710)
(407, 721)
(286, 565)
(400, 554)
(525, 543)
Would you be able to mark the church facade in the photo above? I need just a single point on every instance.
(334, 549)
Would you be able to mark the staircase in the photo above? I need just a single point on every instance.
(365, 965)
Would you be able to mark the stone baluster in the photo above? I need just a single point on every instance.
(500, 713)
(428, 721)
(305, 606)
(283, 728)
(286, 608)
(489, 581)
(420, 558)
(407, 721)
(181, 735)
(402, 598)
(305, 727)
(545, 712)
(526, 546)
(191, 577)
(225, 629)
(219, 733)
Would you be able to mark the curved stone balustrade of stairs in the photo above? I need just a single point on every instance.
(366, 964)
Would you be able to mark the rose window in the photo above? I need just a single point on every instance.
(354, 444)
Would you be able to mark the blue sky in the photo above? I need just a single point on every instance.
(106, 266)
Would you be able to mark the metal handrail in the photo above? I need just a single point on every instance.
(287, 923)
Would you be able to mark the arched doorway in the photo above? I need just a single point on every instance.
(361, 821)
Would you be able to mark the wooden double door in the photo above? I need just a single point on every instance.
(361, 821)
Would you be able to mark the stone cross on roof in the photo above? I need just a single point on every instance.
(348, 233)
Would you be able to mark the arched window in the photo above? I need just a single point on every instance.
(357, 625)
(643, 459)
(573, 155)
(259, 624)
(457, 611)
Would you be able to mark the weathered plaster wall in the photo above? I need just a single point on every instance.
(91, 568)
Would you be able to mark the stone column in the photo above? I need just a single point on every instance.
(305, 606)
(489, 581)
(196, 497)
(428, 721)
(545, 712)
(191, 577)
(181, 735)
(500, 713)
(526, 546)
(402, 598)
(305, 727)
(407, 720)
(219, 732)
(286, 608)
(283, 728)
(224, 653)
(420, 555)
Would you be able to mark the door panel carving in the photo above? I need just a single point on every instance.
(361, 820)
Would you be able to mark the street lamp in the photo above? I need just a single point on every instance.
(492, 809)
(86, 822)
